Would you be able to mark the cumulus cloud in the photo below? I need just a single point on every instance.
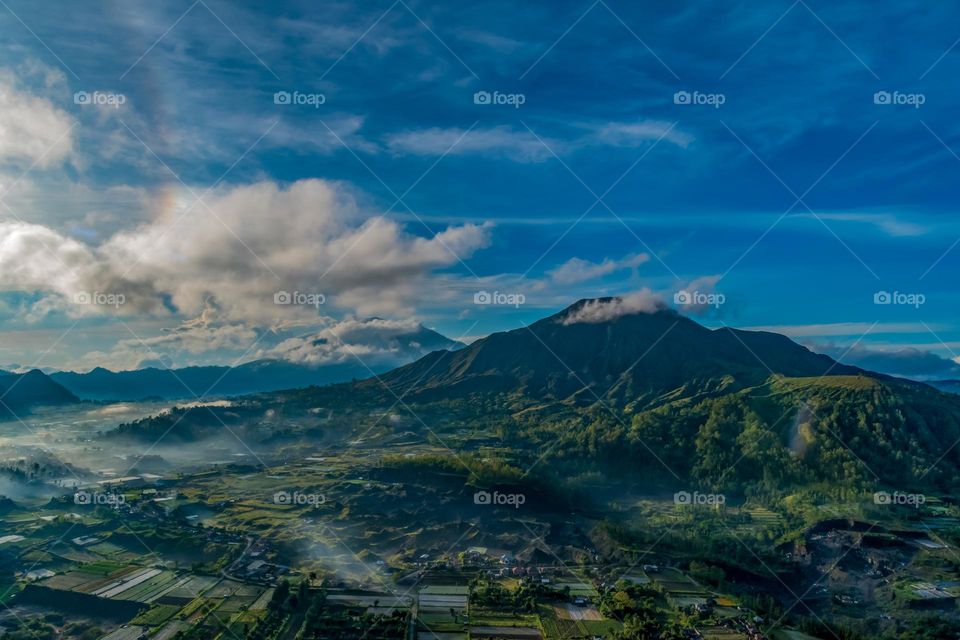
(207, 340)
(67, 273)
(607, 309)
(181, 346)
(373, 340)
(240, 248)
(32, 130)
(578, 270)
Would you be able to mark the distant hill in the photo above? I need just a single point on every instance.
(949, 386)
(251, 377)
(22, 392)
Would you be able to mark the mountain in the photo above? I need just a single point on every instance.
(948, 386)
(642, 396)
(636, 360)
(251, 377)
(655, 395)
(21, 392)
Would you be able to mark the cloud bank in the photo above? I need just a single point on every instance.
(239, 247)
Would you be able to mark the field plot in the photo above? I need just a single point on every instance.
(150, 589)
(444, 598)
(186, 590)
(370, 600)
(764, 516)
(171, 629)
(129, 581)
(222, 589)
(572, 621)
(445, 590)
(156, 616)
(126, 633)
(575, 612)
(440, 609)
(97, 579)
(239, 602)
(260, 603)
(577, 589)
(506, 633)
(106, 549)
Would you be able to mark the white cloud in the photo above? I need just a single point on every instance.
(372, 341)
(183, 346)
(32, 129)
(888, 223)
(577, 270)
(520, 145)
(251, 242)
(607, 309)
(501, 141)
(206, 340)
(632, 134)
(34, 258)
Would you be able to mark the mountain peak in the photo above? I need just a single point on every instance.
(610, 308)
(19, 393)
(622, 350)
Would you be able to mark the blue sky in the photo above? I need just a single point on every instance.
(814, 165)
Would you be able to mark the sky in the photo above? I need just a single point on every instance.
(209, 182)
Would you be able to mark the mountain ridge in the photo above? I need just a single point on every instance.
(630, 360)
(257, 376)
